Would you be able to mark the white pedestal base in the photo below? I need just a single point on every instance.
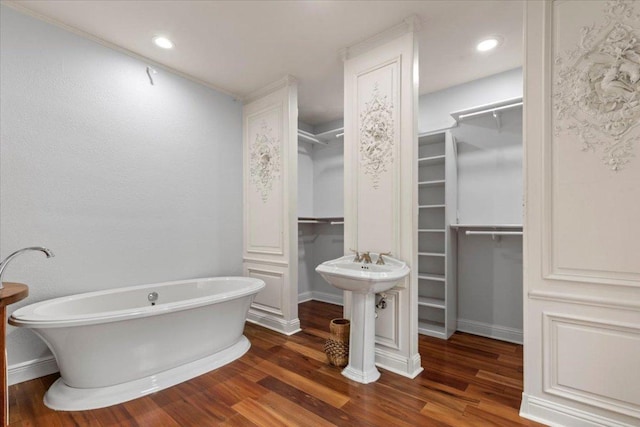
(61, 397)
(362, 353)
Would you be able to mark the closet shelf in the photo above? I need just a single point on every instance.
(322, 138)
(430, 206)
(490, 227)
(432, 160)
(329, 220)
(433, 183)
(494, 108)
(431, 230)
(431, 328)
(431, 302)
(437, 254)
(429, 276)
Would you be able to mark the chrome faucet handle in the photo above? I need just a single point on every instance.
(380, 261)
(366, 258)
(357, 258)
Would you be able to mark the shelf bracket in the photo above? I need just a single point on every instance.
(496, 115)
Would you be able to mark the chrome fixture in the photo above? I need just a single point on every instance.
(380, 261)
(366, 258)
(382, 303)
(8, 259)
(152, 297)
(357, 258)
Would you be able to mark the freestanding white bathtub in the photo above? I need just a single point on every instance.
(113, 346)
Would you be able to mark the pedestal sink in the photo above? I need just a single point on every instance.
(365, 281)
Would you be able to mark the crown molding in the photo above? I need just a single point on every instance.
(285, 81)
(410, 24)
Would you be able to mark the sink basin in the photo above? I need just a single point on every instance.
(344, 273)
(365, 281)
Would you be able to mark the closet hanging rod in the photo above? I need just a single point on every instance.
(490, 110)
(493, 233)
(302, 134)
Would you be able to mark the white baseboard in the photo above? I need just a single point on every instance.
(406, 366)
(555, 414)
(328, 298)
(273, 322)
(491, 331)
(305, 296)
(322, 297)
(31, 369)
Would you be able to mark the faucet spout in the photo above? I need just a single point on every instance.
(8, 259)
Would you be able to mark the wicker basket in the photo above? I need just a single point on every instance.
(337, 346)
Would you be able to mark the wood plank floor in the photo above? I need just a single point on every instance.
(286, 381)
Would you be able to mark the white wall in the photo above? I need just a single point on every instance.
(126, 182)
(305, 179)
(328, 180)
(434, 108)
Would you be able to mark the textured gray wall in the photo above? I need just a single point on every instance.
(126, 182)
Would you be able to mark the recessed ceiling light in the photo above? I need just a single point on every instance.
(163, 42)
(488, 44)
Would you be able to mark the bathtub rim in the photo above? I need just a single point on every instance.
(26, 317)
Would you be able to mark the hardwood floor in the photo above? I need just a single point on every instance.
(286, 381)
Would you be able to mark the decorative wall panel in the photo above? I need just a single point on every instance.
(597, 85)
(581, 228)
(378, 147)
(587, 360)
(270, 299)
(265, 182)
(594, 88)
(270, 166)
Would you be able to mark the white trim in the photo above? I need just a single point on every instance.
(555, 414)
(275, 324)
(328, 298)
(617, 304)
(305, 296)
(31, 369)
(22, 9)
(285, 81)
(398, 364)
(491, 330)
(265, 261)
(409, 24)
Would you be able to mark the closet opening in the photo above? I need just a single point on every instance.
(320, 206)
(470, 188)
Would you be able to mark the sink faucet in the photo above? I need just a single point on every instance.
(357, 258)
(8, 259)
(366, 258)
(380, 260)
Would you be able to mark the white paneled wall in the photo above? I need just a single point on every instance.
(582, 275)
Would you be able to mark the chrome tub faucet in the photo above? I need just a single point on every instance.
(8, 259)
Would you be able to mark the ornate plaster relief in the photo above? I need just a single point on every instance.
(264, 160)
(376, 136)
(596, 93)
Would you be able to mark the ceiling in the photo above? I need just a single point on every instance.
(241, 46)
